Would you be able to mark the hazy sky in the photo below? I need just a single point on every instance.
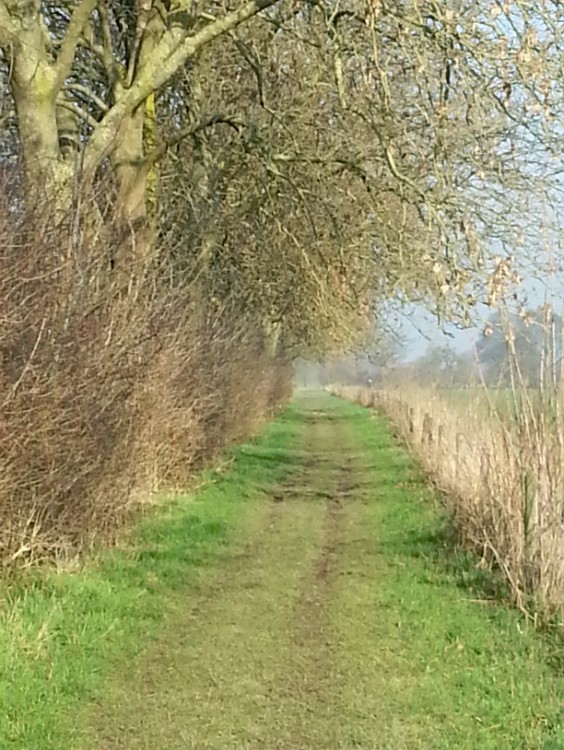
(419, 328)
(538, 258)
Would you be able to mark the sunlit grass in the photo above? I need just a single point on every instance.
(63, 634)
(401, 644)
(438, 662)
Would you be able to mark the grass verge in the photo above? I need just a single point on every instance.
(62, 633)
(434, 660)
(502, 480)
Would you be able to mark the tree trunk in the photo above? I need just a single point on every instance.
(49, 178)
(130, 173)
(134, 178)
(47, 121)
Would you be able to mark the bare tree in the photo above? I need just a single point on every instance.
(81, 74)
(388, 143)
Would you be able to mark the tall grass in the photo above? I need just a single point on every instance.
(499, 459)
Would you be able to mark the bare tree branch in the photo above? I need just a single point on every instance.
(78, 111)
(143, 16)
(71, 40)
(156, 155)
(106, 53)
(170, 54)
(89, 94)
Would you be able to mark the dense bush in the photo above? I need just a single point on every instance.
(106, 391)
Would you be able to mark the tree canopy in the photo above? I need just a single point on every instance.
(307, 157)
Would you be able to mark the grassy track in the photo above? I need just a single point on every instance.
(304, 600)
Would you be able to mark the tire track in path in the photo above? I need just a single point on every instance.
(330, 623)
(247, 661)
(312, 684)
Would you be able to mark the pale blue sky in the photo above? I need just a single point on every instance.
(419, 327)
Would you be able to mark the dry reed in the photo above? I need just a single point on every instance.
(502, 478)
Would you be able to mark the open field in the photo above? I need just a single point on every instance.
(304, 598)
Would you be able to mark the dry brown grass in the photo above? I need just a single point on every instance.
(109, 387)
(502, 480)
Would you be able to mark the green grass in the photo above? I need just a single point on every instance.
(62, 635)
(456, 668)
(223, 674)
(308, 598)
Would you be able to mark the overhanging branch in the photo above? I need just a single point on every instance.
(71, 40)
(172, 52)
(155, 156)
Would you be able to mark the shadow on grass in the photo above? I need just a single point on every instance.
(417, 525)
(440, 547)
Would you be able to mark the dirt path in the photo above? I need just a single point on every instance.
(251, 660)
(319, 631)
